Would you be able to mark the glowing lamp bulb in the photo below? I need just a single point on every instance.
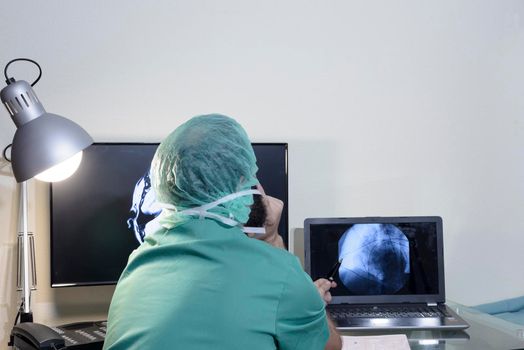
(62, 170)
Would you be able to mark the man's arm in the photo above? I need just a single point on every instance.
(335, 341)
(274, 208)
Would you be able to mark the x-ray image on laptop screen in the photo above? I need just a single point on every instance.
(377, 258)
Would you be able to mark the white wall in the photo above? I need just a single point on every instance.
(389, 108)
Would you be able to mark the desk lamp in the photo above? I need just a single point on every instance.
(45, 146)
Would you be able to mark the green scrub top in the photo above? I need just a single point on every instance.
(206, 286)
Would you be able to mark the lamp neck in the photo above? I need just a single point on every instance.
(21, 102)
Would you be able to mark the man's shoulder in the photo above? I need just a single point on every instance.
(287, 264)
(277, 253)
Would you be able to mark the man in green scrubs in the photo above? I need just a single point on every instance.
(200, 282)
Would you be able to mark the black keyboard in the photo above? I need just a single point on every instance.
(404, 311)
(83, 335)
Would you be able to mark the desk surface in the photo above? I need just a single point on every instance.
(486, 332)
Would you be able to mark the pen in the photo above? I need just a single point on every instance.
(334, 269)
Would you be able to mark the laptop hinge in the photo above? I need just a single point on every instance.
(432, 304)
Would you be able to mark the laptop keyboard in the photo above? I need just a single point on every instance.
(404, 311)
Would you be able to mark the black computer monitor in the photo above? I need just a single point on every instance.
(98, 214)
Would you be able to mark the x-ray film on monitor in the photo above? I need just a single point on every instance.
(377, 258)
(144, 208)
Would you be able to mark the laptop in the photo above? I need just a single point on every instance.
(389, 271)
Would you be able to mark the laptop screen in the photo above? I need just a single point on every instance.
(395, 259)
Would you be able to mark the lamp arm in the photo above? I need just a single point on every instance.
(26, 314)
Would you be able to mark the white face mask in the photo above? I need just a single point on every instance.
(202, 211)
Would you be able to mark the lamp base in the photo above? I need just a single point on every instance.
(26, 317)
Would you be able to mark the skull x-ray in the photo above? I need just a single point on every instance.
(144, 208)
(375, 259)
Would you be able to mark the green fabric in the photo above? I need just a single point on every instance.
(511, 310)
(204, 159)
(203, 285)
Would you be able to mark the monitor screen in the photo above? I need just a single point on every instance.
(99, 215)
(377, 258)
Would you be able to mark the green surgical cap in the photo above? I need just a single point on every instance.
(206, 158)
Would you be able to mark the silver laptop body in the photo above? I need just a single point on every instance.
(390, 275)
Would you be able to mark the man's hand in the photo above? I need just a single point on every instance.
(323, 285)
(274, 207)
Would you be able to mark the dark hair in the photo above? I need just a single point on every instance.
(258, 214)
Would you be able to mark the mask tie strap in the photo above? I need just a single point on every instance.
(255, 230)
(201, 214)
(227, 198)
(202, 211)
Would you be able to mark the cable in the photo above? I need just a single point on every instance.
(11, 337)
(20, 309)
(17, 318)
(28, 60)
(5, 152)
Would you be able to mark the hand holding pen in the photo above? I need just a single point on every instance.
(334, 270)
(325, 284)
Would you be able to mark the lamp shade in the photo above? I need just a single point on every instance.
(42, 140)
(45, 142)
